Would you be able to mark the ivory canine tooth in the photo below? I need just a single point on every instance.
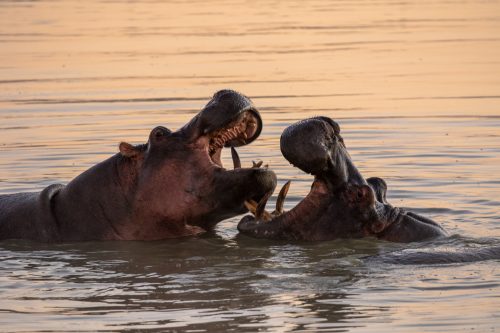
(251, 206)
(261, 213)
(151, 204)
(236, 158)
(281, 197)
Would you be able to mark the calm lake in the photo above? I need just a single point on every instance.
(414, 85)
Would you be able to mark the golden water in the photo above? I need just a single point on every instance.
(415, 86)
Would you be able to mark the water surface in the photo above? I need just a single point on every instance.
(415, 87)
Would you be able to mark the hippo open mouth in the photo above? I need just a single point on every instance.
(241, 131)
(172, 186)
(341, 203)
(228, 120)
(316, 147)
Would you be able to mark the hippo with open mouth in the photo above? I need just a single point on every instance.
(341, 203)
(172, 186)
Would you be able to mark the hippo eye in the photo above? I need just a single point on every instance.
(158, 133)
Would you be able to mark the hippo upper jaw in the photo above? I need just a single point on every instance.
(228, 120)
(316, 147)
(239, 131)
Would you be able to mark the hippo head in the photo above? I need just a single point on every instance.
(315, 146)
(339, 202)
(178, 176)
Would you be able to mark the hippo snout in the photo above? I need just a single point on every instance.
(264, 181)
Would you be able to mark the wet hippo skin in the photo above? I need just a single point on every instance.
(172, 186)
(341, 203)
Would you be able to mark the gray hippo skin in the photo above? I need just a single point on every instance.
(172, 186)
(341, 203)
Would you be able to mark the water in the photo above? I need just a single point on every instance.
(415, 87)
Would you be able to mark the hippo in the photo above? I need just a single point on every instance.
(341, 203)
(173, 186)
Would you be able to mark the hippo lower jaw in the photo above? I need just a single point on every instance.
(326, 213)
(309, 205)
(280, 224)
(306, 220)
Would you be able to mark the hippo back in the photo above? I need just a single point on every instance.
(29, 215)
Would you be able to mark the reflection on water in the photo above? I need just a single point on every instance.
(232, 284)
(414, 85)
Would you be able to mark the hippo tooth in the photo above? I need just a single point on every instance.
(236, 158)
(281, 197)
(237, 131)
(261, 213)
(234, 132)
(251, 206)
(256, 165)
(219, 143)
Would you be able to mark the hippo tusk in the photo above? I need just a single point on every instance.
(251, 206)
(236, 158)
(281, 197)
(260, 212)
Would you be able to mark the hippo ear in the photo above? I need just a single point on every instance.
(128, 150)
(368, 197)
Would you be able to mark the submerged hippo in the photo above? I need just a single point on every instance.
(172, 186)
(341, 203)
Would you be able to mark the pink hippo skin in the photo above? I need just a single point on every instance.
(172, 186)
